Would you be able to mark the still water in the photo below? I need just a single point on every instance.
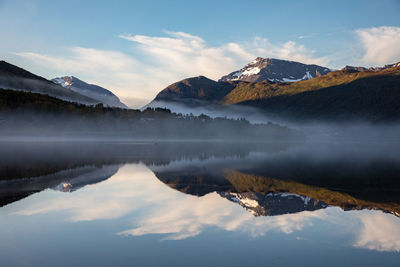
(199, 204)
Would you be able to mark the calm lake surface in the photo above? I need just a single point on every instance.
(199, 204)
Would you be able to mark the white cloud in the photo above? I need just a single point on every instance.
(162, 61)
(111, 69)
(84, 59)
(289, 51)
(183, 55)
(381, 45)
(305, 36)
(188, 55)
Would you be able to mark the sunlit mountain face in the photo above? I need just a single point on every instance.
(189, 195)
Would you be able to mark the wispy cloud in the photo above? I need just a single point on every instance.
(305, 36)
(381, 45)
(189, 54)
(162, 60)
(114, 70)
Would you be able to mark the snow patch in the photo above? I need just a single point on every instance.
(308, 75)
(291, 80)
(247, 202)
(62, 81)
(251, 71)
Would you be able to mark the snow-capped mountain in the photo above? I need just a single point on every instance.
(93, 91)
(16, 78)
(275, 70)
(90, 175)
(273, 203)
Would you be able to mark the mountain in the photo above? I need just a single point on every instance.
(194, 91)
(91, 175)
(90, 90)
(357, 69)
(67, 180)
(339, 95)
(349, 93)
(275, 70)
(15, 78)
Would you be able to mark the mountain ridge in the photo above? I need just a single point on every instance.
(275, 70)
(346, 93)
(96, 92)
(16, 78)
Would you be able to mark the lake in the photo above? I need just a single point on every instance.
(199, 204)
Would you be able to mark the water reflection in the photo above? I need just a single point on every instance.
(255, 192)
(153, 208)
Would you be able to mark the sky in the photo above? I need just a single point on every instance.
(137, 48)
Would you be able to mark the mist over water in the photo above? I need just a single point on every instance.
(345, 130)
(233, 198)
(310, 187)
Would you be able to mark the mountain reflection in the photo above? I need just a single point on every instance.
(136, 195)
(180, 190)
(273, 203)
(265, 179)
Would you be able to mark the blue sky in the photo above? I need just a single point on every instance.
(136, 48)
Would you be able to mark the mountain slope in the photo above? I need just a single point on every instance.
(196, 88)
(343, 94)
(275, 70)
(193, 92)
(15, 78)
(90, 90)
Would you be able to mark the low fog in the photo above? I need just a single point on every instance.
(69, 123)
(367, 170)
(345, 129)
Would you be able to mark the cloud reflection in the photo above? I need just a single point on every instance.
(379, 232)
(154, 208)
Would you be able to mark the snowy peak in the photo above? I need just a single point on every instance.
(16, 78)
(66, 81)
(101, 94)
(275, 70)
